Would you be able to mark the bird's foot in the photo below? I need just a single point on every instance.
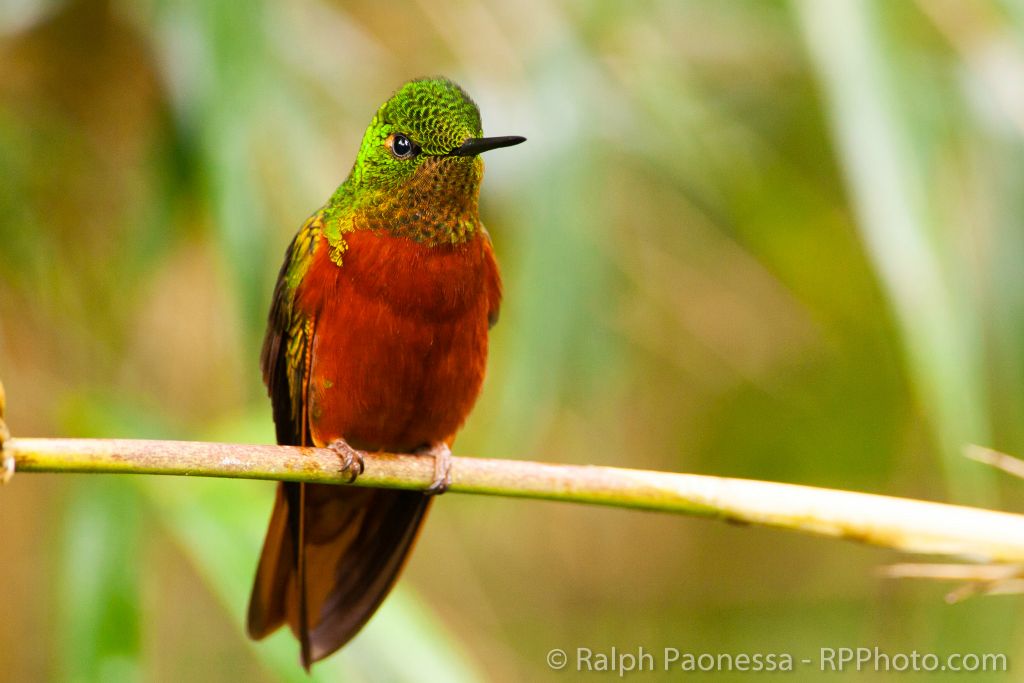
(351, 459)
(442, 455)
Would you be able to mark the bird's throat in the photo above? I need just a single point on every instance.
(438, 205)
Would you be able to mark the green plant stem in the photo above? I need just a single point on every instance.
(904, 524)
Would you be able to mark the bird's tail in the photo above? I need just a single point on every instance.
(330, 557)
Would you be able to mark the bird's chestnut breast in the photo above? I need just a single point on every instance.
(400, 342)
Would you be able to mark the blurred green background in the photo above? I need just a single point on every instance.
(776, 240)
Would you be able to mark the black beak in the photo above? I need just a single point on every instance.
(474, 146)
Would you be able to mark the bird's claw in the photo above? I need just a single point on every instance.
(442, 455)
(351, 459)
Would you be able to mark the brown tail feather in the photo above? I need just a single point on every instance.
(274, 573)
(355, 544)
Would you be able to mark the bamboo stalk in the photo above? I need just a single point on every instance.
(904, 524)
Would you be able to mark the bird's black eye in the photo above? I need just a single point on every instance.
(402, 147)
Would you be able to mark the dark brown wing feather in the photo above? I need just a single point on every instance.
(331, 554)
(274, 359)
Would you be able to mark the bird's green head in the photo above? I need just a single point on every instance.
(418, 173)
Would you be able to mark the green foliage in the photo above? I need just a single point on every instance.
(99, 587)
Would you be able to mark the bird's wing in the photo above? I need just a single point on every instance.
(286, 347)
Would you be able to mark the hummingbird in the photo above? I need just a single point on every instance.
(376, 341)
